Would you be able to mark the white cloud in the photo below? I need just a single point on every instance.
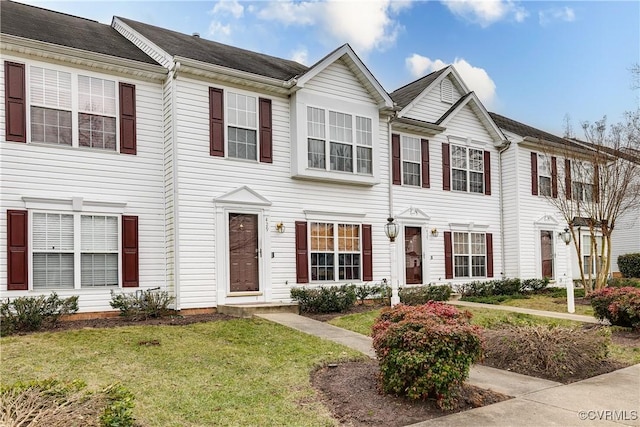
(486, 12)
(218, 30)
(477, 79)
(365, 25)
(300, 55)
(564, 14)
(230, 7)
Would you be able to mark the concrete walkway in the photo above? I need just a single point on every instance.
(607, 400)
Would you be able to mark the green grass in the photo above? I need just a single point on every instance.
(237, 372)
(548, 303)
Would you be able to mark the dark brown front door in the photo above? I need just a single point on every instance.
(413, 254)
(546, 253)
(243, 252)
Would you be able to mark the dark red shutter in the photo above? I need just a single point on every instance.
(395, 159)
(302, 258)
(567, 178)
(15, 107)
(448, 256)
(487, 173)
(489, 255)
(426, 181)
(554, 177)
(534, 174)
(130, 270)
(17, 253)
(446, 167)
(596, 184)
(266, 144)
(127, 118)
(367, 253)
(216, 122)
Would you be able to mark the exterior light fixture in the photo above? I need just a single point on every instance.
(565, 236)
(391, 229)
(280, 227)
(434, 232)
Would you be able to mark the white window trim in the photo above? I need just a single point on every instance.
(225, 93)
(469, 254)
(402, 160)
(467, 170)
(74, 105)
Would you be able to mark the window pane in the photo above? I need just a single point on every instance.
(411, 173)
(544, 184)
(476, 160)
(476, 182)
(478, 266)
(50, 88)
(340, 128)
(411, 149)
(315, 123)
(50, 126)
(53, 271)
(363, 131)
(459, 180)
(242, 143)
(341, 157)
(365, 160)
(96, 96)
(461, 266)
(460, 243)
(349, 267)
(96, 131)
(478, 243)
(348, 238)
(52, 232)
(316, 154)
(458, 157)
(322, 267)
(241, 110)
(99, 270)
(321, 236)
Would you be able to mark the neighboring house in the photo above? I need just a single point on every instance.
(534, 171)
(446, 187)
(81, 159)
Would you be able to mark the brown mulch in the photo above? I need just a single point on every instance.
(350, 391)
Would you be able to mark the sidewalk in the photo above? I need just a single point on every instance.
(552, 314)
(605, 400)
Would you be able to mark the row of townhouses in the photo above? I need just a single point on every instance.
(138, 157)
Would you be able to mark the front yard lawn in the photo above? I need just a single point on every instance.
(236, 372)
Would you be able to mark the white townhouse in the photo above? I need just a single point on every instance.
(445, 182)
(81, 159)
(534, 169)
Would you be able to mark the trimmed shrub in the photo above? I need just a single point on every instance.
(620, 306)
(326, 299)
(502, 287)
(555, 353)
(495, 299)
(629, 265)
(53, 403)
(365, 291)
(142, 305)
(418, 295)
(425, 351)
(24, 314)
(623, 282)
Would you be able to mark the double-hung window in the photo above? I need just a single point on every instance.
(544, 175)
(591, 264)
(74, 250)
(467, 169)
(469, 254)
(51, 106)
(335, 251)
(582, 178)
(96, 113)
(242, 129)
(411, 160)
(345, 139)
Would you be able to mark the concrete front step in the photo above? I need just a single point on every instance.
(251, 309)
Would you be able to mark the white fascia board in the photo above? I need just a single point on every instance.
(492, 127)
(85, 58)
(143, 43)
(424, 93)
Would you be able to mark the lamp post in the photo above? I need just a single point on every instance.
(391, 229)
(566, 238)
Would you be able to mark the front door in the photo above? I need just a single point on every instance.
(546, 253)
(413, 254)
(243, 253)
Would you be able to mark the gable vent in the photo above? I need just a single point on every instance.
(446, 91)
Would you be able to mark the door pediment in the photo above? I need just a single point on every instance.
(413, 214)
(242, 196)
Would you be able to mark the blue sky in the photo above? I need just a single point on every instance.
(533, 61)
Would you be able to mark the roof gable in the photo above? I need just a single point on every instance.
(34, 23)
(476, 106)
(357, 67)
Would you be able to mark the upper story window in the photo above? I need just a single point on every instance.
(411, 160)
(544, 175)
(96, 113)
(349, 148)
(582, 181)
(51, 106)
(467, 169)
(242, 121)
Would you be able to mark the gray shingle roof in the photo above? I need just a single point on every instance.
(216, 53)
(453, 107)
(35, 23)
(523, 130)
(407, 93)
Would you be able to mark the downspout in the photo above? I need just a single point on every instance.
(174, 161)
(504, 148)
(390, 180)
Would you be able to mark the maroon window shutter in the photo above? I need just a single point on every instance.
(534, 174)
(130, 270)
(216, 122)
(446, 167)
(489, 255)
(266, 144)
(448, 256)
(567, 178)
(487, 173)
(367, 253)
(596, 184)
(15, 106)
(426, 181)
(17, 253)
(302, 259)
(554, 177)
(395, 159)
(127, 118)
